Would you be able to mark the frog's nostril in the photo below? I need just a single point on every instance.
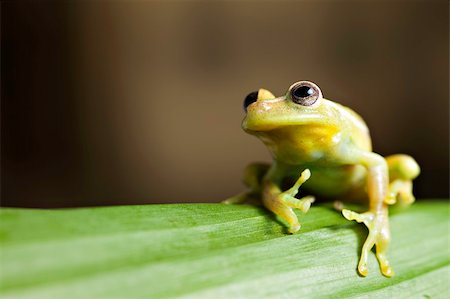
(249, 99)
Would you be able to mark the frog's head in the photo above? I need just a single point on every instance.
(301, 105)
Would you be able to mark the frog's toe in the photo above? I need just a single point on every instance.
(304, 176)
(391, 199)
(406, 198)
(386, 269)
(294, 228)
(305, 203)
(230, 201)
(302, 204)
(362, 269)
(349, 215)
(358, 217)
(237, 199)
(338, 205)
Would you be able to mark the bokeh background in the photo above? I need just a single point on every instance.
(141, 102)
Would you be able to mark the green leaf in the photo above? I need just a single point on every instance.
(215, 251)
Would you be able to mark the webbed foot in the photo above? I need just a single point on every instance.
(379, 236)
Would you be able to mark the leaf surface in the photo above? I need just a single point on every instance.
(216, 251)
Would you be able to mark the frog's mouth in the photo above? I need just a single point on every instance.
(259, 123)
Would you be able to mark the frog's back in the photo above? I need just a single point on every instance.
(360, 134)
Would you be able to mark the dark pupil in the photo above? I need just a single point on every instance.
(303, 92)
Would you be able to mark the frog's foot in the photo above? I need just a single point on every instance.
(283, 203)
(379, 236)
(288, 196)
(400, 190)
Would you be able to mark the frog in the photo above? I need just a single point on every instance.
(325, 149)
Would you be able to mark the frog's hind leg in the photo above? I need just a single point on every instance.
(376, 219)
(253, 175)
(402, 170)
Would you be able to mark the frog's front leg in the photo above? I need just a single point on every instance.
(282, 203)
(376, 219)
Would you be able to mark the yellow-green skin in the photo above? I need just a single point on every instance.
(330, 146)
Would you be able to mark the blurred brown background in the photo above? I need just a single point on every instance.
(141, 102)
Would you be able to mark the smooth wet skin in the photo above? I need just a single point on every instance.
(325, 148)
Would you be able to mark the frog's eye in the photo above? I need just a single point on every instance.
(249, 99)
(305, 93)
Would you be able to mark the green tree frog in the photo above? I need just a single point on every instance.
(325, 148)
